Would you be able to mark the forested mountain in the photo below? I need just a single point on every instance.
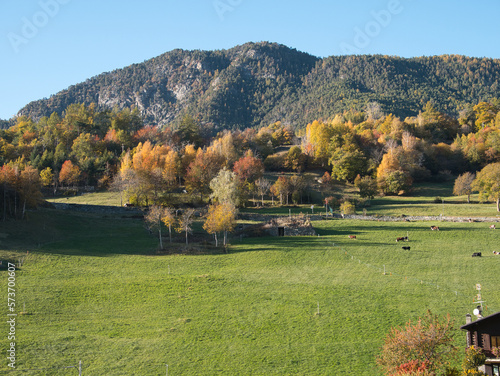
(257, 84)
(4, 124)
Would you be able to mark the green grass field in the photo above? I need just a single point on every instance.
(96, 291)
(421, 202)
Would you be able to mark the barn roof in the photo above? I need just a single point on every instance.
(488, 320)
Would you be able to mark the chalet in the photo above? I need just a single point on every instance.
(484, 333)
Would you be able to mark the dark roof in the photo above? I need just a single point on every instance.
(485, 320)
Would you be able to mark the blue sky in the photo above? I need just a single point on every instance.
(48, 45)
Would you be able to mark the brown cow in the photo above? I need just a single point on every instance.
(492, 227)
(434, 228)
(402, 239)
(352, 236)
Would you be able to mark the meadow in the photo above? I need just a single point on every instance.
(95, 289)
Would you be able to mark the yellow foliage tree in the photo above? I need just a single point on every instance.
(221, 217)
(318, 136)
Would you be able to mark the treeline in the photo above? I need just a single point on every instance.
(102, 148)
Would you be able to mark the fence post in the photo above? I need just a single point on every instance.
(80, 368)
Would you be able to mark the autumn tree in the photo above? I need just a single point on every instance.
(169, 220)
(148, 163)
(69, 174)
(318, 135)
(263, 185)
(127, 181)
(211, 224)
(221, 217)
(224, 146)
(249, 168)
(30, 188)
(47, 177)
(485, 114)
(202, 170)
(487, 183)
(295, 160)
(185, 222)
(148, 171)
(463, 185)
(281, 188)
(154, 219)
(225, 188)
(391, 179)
(427, 342)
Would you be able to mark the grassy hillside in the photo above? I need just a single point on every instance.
(96, 291)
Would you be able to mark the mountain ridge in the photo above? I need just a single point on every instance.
(257, 84)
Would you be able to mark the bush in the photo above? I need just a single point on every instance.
(347, 207)
(474, 358)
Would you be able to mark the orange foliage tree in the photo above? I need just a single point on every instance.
(426, 344)
(249, 168)
(69, 174)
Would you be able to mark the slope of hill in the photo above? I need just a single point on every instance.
(260, 83)
(4, 124)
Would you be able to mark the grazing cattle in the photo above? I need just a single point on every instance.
(476, 254)
(434, 228)
(492, 227)
(129, 205)
(402, 239)
(406, 248)
(352, 236)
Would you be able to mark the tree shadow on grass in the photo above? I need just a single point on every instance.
(61, 232)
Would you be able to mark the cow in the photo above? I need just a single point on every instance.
(492, 227)
(352, 236)
(476, 254)
(402, 239)
(434, 228)
(406, 248)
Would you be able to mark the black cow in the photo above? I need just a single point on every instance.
(406, 248)
(476, 254)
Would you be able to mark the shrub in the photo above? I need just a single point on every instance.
(347, 207)
(474, 358)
